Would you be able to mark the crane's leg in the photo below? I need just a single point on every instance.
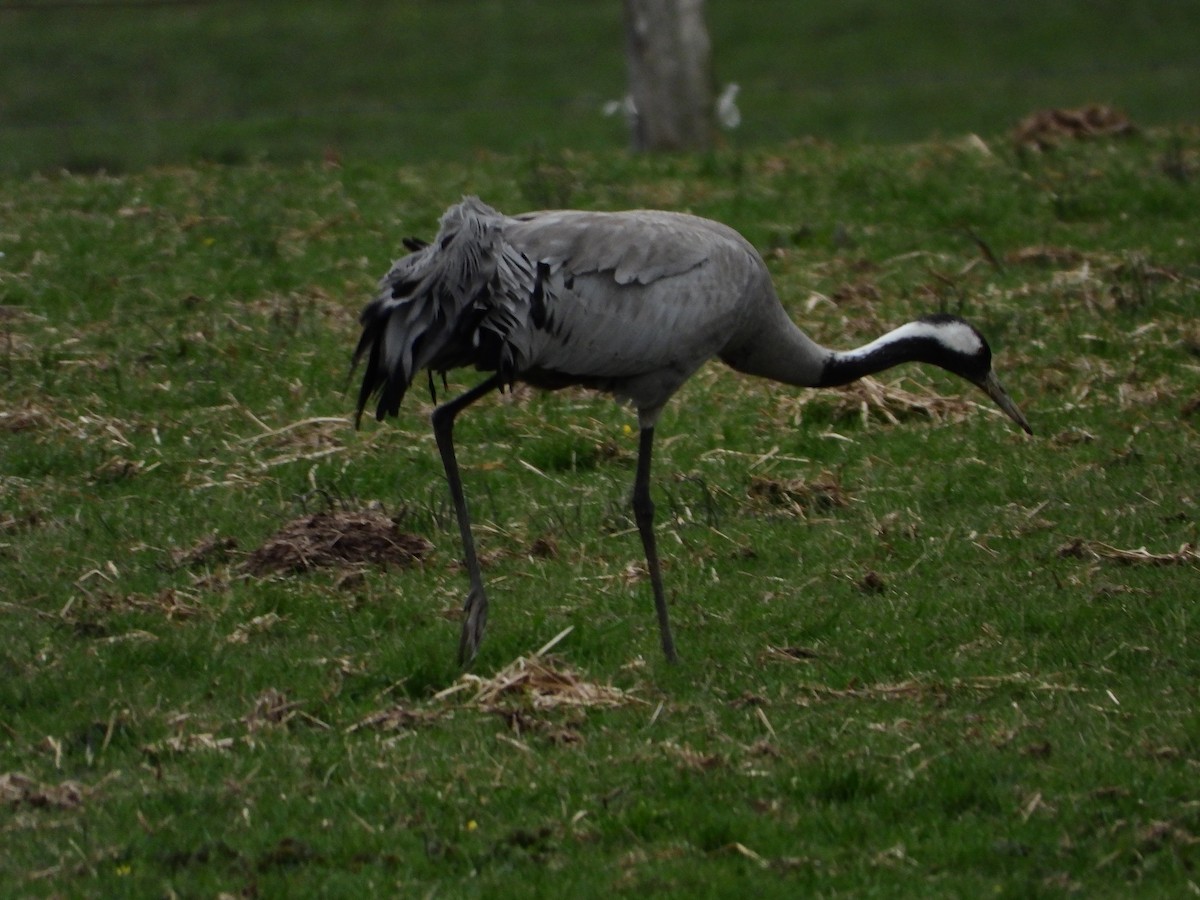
(643, 514)
(476, 606)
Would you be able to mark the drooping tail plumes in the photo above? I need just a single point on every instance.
(458, 301)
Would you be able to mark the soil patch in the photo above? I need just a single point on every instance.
(337, 540)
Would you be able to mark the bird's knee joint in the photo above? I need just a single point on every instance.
(442, 420)
(643, 509)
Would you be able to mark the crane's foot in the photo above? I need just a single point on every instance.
(475, 613)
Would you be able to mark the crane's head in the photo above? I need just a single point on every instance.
(957, 346)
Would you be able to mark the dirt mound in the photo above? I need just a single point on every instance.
(336, 540)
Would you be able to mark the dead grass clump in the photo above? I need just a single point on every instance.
(544, 547)
(287, 311)
(15, 346)
(336, 540)
(1141, 395)
(273, 709)
(23, 521)
(690, 758)
(542, 683)
(395, 718)
(306, 439)
(250, 460)
(1078, 548)
(893, 401)
(170, 603)
(117, 468)
(204, 742)
(861, 293)
(869, 399)
(24, 418)
(789, 654)
(871, 582)
(21, 790)
(539, 682)
(1047, 128)
(796, 495)
(919, 689)
(1044, 255)
(212, 548)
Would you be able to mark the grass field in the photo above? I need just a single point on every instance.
(922, 654)
(115, 87)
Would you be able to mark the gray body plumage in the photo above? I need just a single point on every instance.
(631, 303)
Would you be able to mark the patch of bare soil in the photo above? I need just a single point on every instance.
(337, 540)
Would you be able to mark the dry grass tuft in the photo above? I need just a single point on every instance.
(1047, 128)
(206, 551)
(27, 417)
(690, 758)
(789, 654)
(171, 603)
(1045, 255)
(395, 718)
(337, 540)
(921, 689)
(1078, 548)
(872, 400)
(204, 742)
(539, 682)
(797, 495)
(271, 708)
(21, 790)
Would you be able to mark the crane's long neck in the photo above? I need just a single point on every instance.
(913, 342)
(786, 354)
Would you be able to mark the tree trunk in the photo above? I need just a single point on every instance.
(670, 75)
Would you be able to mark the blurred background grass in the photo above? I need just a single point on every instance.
(119, 85)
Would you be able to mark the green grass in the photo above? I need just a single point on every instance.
(909, 689)
(118, 88)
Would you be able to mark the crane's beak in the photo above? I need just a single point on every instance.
(993, 388)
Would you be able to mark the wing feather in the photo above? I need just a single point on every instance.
(637, 247)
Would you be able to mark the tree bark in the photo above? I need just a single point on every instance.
(670, 75)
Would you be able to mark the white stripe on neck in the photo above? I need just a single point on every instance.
(956, 336)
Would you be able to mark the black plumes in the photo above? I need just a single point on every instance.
(537, 300)
(375, 379)
(453, 303)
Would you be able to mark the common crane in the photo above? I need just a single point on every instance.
(630, 303)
